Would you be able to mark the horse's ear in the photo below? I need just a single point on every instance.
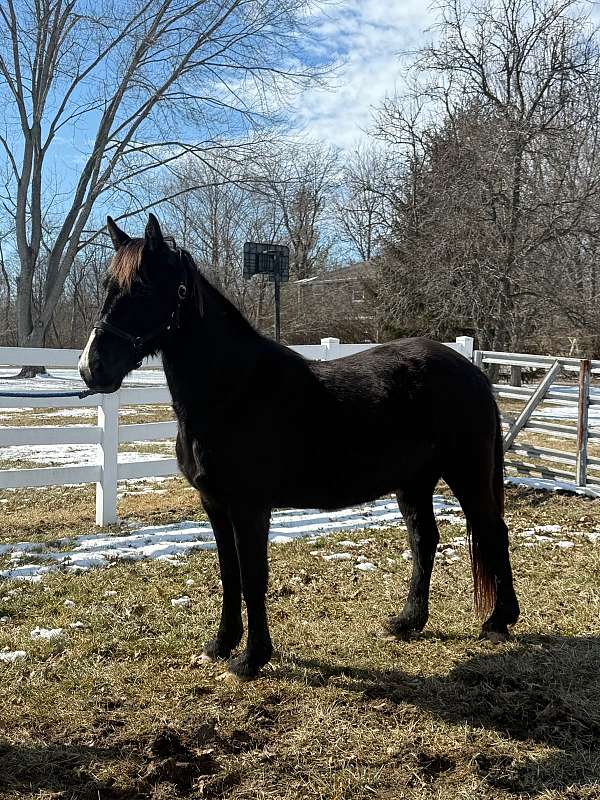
(118, 237)
(153, 234)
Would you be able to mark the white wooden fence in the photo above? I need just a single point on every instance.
(108, 433)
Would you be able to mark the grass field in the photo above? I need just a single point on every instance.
(120, 707)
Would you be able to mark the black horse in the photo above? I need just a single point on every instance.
(261, 427)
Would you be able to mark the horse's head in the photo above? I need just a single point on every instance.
(145, 287)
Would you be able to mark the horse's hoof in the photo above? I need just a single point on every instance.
(201, 660)
(244, 669)
(214, 650)
(397, 629)
(495, 637)
(206, 659)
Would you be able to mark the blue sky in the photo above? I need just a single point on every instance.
(366, 36)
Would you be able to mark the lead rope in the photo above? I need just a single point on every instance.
(21, 395)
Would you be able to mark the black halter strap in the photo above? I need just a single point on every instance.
(137, 342)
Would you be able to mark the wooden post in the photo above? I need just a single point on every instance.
(478, 358)
(106, 488)
(515, 375)
(582, 421)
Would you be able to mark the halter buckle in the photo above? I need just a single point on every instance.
(182, 291)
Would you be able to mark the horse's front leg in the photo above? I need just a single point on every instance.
(231, 628)
(251, 530)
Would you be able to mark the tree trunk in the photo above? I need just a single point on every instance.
(34, 338)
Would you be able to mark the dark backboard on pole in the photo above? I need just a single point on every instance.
(272, 260)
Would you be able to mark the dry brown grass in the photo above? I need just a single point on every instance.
(54, 512)
(122, 709)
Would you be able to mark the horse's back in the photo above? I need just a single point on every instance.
(421, 377)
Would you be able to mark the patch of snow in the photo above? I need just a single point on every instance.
(63, 454)
(11, 656)
(172, 542)
(366, 566)
(69, 604)
(73, 412)
(281, 539)
(565, 544)
(180, 601)
(449, 552)
(47, 633)
(77, 625)
(550, 485)
(338, 557)
(190, 582)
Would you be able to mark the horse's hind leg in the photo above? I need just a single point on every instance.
(492, 573)
(417, 509)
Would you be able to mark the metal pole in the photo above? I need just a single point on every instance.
(277, 308)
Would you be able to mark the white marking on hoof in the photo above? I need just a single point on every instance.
(231, 677)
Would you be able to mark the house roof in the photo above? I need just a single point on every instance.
(359, 271)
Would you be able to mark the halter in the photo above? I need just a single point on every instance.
(137, 342)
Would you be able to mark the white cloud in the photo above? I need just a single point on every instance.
(368, 36)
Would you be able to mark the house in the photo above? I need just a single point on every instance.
(338, 302)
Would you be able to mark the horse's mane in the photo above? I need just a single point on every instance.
(127, 261)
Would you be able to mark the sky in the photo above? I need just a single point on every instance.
(366, 37)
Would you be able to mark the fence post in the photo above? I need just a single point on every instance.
(515, 375)
(106, 488)
(331, 348)
(466, 344)
(478, 358)
(582, 421)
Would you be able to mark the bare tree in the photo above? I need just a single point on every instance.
(501, 163)
(144, 81)
(299, 183)
(363, 203)
(214, 218)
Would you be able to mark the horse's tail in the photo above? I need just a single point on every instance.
(482, 547)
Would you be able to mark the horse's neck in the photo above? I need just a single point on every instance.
(208, 357)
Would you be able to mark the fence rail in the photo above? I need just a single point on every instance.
(524, 456)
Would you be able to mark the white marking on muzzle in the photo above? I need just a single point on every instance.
(84, 358)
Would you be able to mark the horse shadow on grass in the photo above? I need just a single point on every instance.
(541, 690)
(165, 766)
